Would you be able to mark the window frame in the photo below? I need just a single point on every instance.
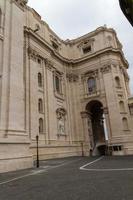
(92, 88)
(125, 126)
(117, 82)
(40, 80)
(58, 90)
(40, 105)
(41, 125)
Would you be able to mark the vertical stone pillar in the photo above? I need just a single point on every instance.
(87, 132)
(107, 126)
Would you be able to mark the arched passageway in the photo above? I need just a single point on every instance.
(95, 110)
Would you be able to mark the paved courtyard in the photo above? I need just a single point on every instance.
(77, 178)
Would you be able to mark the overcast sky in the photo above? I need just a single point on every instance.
(73, 18)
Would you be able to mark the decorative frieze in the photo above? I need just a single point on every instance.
(93, 73)
(106, 69)
(33, 54)
(89, 74)
(49, 64)
(72, 77)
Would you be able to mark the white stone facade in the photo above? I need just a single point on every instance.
(74, 94)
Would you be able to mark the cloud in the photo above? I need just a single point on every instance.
(73, 18)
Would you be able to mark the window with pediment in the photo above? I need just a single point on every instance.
(87, 46)
(55, 45)
(87, 49)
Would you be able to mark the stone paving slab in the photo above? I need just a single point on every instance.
(62, 179)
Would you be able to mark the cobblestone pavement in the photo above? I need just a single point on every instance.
(76, 178)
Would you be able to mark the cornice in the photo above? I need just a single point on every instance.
(30, 32)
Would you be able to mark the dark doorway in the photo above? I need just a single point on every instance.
(95, 108)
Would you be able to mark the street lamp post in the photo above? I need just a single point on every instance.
(37, 152)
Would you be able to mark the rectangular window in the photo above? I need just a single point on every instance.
(55, 46)
(117, 148)
(131, 109)
(91, 85)
(87, 49)
(57, 78)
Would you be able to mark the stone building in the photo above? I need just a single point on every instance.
(73, 94)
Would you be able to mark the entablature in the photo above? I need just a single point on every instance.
(109, 50)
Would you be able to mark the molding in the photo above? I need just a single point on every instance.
(1, 37)
(72, 77)
(18, 158)
(29, 32)
(33, 54)
(106, 69)
(105, 110)
(91, 73)
(20, 3)
(86, 42)
(85, 114)
(49, 64)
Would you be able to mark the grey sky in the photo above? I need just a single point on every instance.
(73, 18)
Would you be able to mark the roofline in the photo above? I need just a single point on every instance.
(31, 33)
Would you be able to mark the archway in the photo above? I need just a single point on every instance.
(95, 110)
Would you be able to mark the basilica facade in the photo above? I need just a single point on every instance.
(73, 94)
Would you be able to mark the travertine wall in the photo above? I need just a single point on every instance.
(27, 47)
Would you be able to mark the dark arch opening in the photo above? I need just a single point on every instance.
(95, 109)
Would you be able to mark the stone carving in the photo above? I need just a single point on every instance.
(61, 113)
(84, 114)
(106, 69)
(93, 73)
(89, 74)
(105, 110)
(72, 77)
(124, 71)
(86, 42)
(21, 3)
(49, 64)
(33, 54)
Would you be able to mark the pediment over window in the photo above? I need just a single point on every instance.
(55, 42)
(86, 46)
(86, 42)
